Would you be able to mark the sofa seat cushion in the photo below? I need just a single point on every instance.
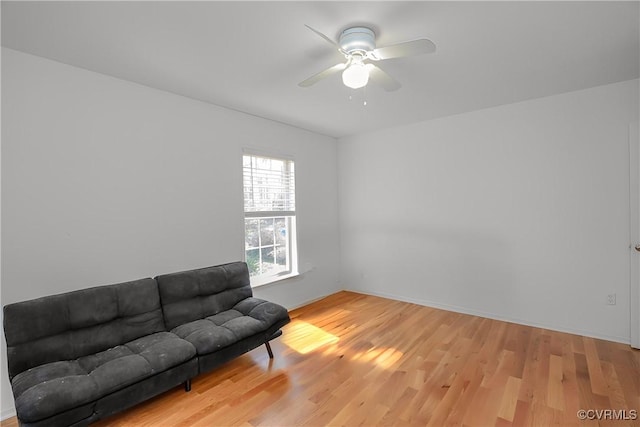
(248, 317)
(49, 389)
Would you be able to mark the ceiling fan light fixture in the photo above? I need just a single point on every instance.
(358, 44)
(356, 75)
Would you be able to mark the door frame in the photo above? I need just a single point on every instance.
(634, 233)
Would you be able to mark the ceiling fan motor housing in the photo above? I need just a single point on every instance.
(357, 39)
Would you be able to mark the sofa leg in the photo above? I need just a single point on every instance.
(187, 385)
(269, 350)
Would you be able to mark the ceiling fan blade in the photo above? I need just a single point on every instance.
(380, 77)
(415, 47)
(325, 37)
(322, 74)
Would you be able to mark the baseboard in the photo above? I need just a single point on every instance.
(463, 310)
(311, 301)
(7, 413)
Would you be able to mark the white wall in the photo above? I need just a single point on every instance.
(105, 181)
(519, 212)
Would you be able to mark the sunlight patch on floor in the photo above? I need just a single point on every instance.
(304, 337)
(385, 357)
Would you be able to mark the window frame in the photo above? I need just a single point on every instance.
(290, 217)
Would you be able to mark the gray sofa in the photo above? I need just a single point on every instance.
(81, 356)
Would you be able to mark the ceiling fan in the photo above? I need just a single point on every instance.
(358, 45)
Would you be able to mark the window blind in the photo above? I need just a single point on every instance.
(269, 187)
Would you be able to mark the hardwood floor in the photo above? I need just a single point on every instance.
(353, 359)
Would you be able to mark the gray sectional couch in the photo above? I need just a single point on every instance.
(81, 356)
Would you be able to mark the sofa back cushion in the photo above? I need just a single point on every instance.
(79, 323)
(196, 294)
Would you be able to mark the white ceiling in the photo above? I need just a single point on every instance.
(249, 56)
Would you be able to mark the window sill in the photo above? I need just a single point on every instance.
(256, 283)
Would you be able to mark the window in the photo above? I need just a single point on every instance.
(269, 218)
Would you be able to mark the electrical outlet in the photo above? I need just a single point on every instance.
(611, 299)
